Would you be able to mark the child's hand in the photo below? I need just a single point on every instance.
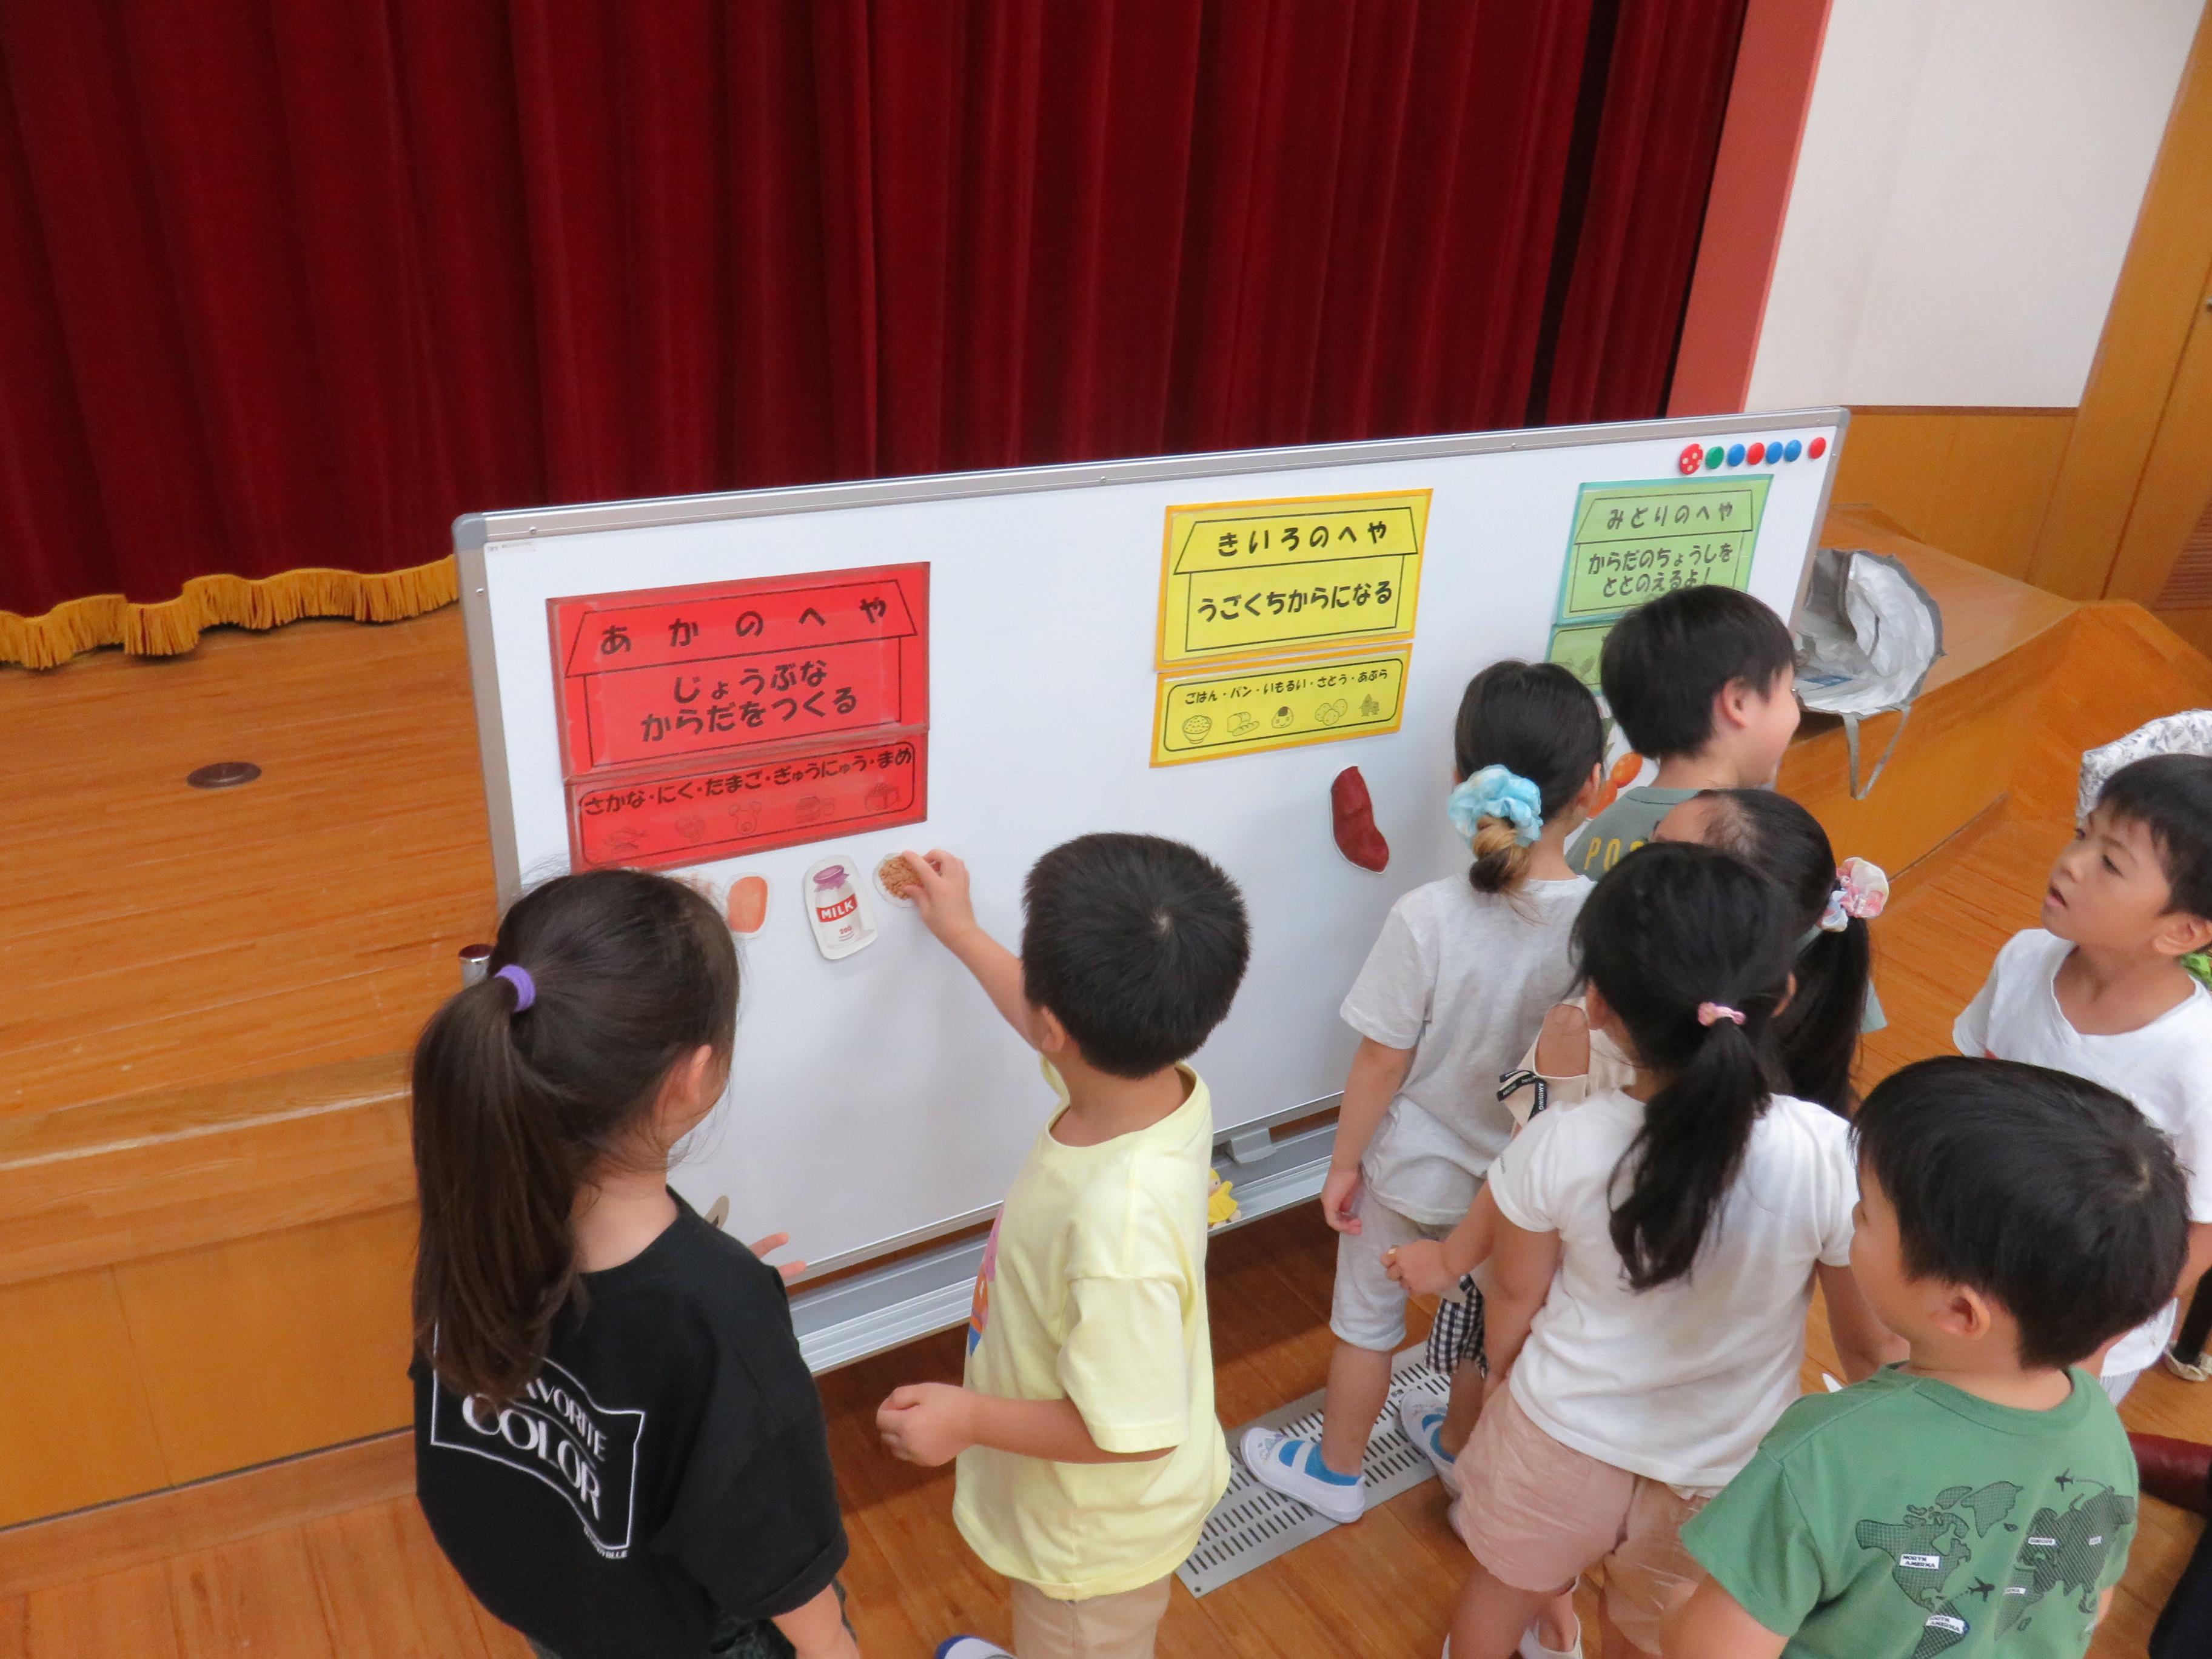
(1419, 1267)
(927, 1423)
(1562, 1045)
(765, 1248)
(1339, 1199)
(941, 894)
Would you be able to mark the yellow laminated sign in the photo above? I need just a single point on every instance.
(1251, 578)
(1234, 712)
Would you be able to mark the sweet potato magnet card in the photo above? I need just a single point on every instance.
(1354, 811)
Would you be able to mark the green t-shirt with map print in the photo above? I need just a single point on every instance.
(1904, 1517)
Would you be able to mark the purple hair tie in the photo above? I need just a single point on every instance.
(526, 990)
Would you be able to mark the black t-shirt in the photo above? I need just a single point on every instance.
(667, 1467)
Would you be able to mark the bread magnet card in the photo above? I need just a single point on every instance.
(748, 905)
(837, 908)
(895, 880)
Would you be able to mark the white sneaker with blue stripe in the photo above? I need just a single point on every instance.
(1293, 1467)
(1421, 1414)
(970, 1647)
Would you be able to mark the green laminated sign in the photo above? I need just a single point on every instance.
(1577, 649)
(1634, 542)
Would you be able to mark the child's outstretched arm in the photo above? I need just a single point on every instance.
(932, 1423)
(1377, 1071)
(941, 896)
(1523, 1264)
(1432, 1267)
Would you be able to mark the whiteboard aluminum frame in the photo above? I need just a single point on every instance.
(474, 533)
(880, 1309)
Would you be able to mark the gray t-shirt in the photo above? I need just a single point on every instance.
(1463, 979)
(1621, 828)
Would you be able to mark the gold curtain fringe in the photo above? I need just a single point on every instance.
(173, 626)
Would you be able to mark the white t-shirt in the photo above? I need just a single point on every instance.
(1679, 1382)
(2165, 1067)
(1463, 979)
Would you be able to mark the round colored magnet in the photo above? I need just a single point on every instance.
(1713, 455)
(1755, 454)
(1817, 448)
(1690, 460)
(1792, 450)
(1735, 455)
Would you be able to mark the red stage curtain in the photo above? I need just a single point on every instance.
(289, 283)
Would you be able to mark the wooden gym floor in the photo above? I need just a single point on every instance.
(370, 1581)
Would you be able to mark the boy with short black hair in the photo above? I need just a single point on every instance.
(1979, 1498)
(1088, 1453)
(1703, 681)
(2100, 989)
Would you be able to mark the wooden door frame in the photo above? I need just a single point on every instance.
(2155, 306)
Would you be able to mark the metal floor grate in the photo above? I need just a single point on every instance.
(1252, 1525)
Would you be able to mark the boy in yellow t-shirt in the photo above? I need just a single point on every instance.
(1088, 1453)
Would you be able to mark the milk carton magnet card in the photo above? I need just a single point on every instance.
(837, 908)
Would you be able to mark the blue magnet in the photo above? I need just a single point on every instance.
(1792, 450)
(1735, 455)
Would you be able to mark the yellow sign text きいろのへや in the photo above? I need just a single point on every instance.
(1249, 579)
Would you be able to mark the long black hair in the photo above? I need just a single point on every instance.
(1818, 1034)
(515, 1108)
(1539, 721)
(1671, 928)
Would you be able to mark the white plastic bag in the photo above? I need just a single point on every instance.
(1867, 637)
(2188, 733)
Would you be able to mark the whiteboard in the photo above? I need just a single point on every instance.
(878, 1100)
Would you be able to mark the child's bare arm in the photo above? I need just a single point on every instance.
(1377, 1072)
(1431, 1268)
(932, 1423)
(817, 1630)
(1563, 1044)
(941, 896)
(1523, 1264)
(1712, 1624)
(1863, 1344)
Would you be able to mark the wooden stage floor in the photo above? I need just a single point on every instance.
(85, 952)
(155, 936)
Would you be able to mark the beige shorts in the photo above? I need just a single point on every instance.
(1368, 1307)
(1536, 1513)
(1122, 1626)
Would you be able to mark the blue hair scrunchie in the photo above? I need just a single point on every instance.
(1495, 792)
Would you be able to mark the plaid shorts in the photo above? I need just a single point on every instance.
(1457, 1334)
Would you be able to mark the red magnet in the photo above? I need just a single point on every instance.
(1354, 811)
(1690, 459)
(1816, 449)
(1755, 454)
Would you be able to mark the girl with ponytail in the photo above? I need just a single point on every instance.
(1450, 995)
(1655, 1253)
(616, 1441)
(1817, 1035)
(1830, 904)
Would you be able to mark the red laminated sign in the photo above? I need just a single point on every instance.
(697, 723)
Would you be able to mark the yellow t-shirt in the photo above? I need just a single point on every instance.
(1093, 1290)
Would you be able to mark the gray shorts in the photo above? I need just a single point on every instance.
(1368, 1308)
